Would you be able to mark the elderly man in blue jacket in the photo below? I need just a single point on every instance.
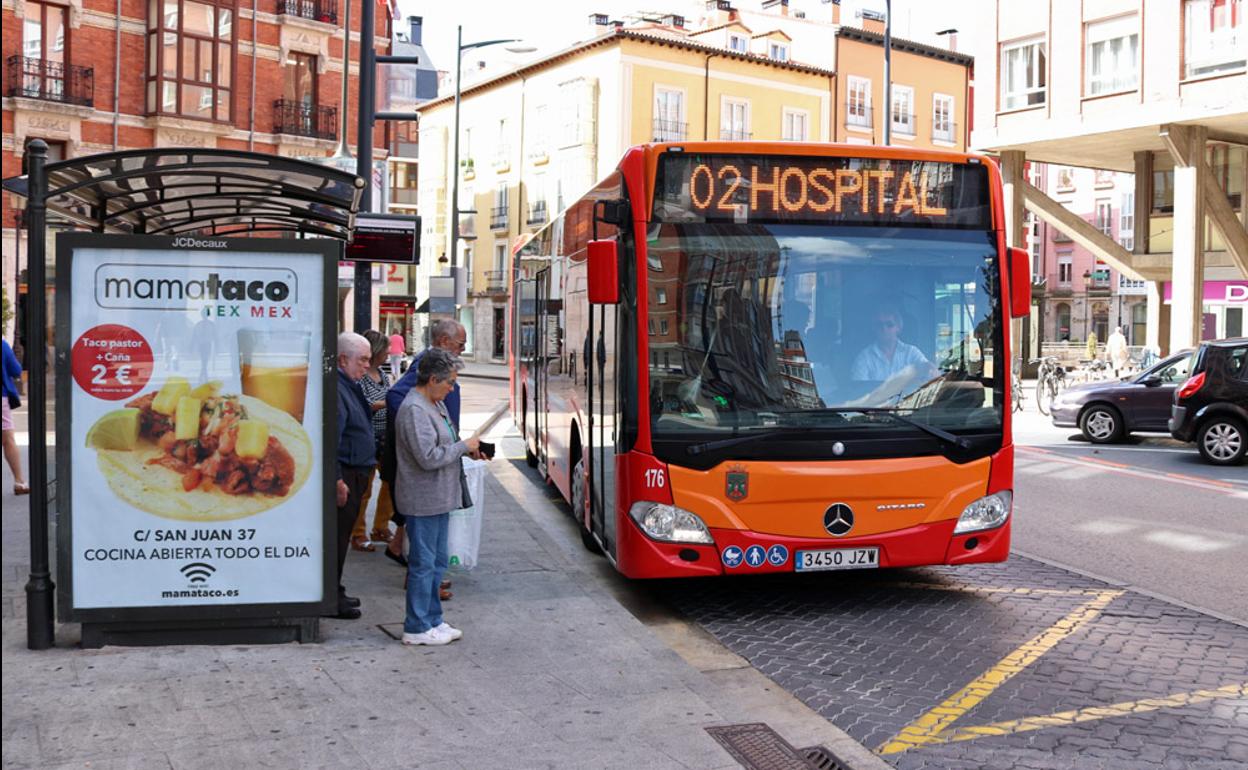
(357, 451)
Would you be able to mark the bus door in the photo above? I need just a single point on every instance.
(541, 358)
(602, 429)
(524, 334)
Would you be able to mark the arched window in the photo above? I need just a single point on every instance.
(1063, 321)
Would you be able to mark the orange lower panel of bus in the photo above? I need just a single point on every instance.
(739, 552)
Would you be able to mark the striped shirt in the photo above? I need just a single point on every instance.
(376, 391)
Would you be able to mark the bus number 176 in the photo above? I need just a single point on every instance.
(655, 477)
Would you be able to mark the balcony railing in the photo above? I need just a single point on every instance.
(315, 10)
(496, 282)
(903, 123)
(734, 135)
(52, 81)
(859, 115)
(670, 130)
(302, 119)
(498, 218)
(537, 214)
(946, 133)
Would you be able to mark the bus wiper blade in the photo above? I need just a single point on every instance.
(724, 443)
(960, 442)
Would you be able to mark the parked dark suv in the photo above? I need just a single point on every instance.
(1211, 408)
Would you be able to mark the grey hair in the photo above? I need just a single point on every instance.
(435, 364)
(350, 342)
(443, 327)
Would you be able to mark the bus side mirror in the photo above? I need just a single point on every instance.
(1020, 283)
(604, 282)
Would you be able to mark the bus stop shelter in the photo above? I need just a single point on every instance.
(190, 192)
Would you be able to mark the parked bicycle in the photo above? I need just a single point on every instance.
(1050, 380)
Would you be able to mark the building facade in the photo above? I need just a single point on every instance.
(1076, 292)
(531, 141)
(263, 76)
(1157, 90)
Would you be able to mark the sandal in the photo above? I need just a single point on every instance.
(445, 584)
(380, 536)
(359, 543)
(445, 595)
(397, 558)
(21, 489)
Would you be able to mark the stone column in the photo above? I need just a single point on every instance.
(1187, 145)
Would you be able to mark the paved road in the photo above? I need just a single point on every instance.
(1025, 664)
(1148, 514)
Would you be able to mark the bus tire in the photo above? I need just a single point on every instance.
(579, 508)
(530, 458)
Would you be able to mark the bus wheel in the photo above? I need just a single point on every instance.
(579, 507)
(530, 459)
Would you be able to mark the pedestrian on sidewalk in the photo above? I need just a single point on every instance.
(429, 485)
(12, 455)
(1116, 349)
(357, 452)
(444, 334)
(375, 384)
(398, 346)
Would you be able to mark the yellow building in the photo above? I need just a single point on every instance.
(535, 139)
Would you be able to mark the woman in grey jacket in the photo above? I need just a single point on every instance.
(427, 489)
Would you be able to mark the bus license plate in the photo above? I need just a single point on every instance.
(837, 558)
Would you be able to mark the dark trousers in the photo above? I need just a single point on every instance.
(356, 479)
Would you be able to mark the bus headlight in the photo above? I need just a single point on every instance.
(669, 523)
(985, 513)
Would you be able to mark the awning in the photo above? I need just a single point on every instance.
(172, 191)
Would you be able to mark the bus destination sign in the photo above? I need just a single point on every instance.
(824, 190)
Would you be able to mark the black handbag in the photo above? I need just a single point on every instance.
(14, 401)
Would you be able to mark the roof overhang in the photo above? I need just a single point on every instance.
(1115, 149)
(171, 191)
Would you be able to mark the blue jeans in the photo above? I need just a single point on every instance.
(427, 559)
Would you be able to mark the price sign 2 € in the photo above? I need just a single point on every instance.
(111, 362)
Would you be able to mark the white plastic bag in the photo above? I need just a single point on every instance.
(464, 530)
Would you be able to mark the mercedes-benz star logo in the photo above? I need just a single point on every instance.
(838, 519)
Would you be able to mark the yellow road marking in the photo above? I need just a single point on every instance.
(1062, 718)
(927, 728)
(993, 590)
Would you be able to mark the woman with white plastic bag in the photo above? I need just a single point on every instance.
(464, 529)
(429, 484)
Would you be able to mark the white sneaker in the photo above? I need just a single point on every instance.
(431, 637)
(449, 631)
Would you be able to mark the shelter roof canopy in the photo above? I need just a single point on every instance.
(171, 191)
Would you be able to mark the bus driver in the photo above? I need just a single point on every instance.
(888, 356)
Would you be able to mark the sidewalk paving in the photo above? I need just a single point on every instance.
(553, 671)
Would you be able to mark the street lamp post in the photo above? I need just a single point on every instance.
(459, 58)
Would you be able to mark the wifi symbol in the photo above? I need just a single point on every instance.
(198, 571)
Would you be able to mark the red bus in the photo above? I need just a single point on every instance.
(748, 357)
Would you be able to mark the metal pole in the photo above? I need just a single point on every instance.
(39, 631)
(343, 150)
(364, 159)
(454, 255)
(888, 72)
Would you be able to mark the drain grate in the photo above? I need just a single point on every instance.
(758, 747)
(821, 758)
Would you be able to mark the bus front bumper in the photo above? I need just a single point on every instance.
(921, 545)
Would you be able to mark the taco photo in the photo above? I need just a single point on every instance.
(195, 454)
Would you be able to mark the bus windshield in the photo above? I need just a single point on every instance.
(772, 327)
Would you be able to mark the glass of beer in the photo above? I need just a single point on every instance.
(274, 367)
